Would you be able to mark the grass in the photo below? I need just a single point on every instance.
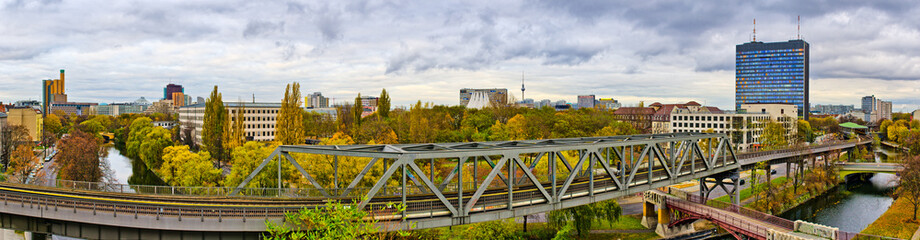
(605, 236)
(625, 222)
(746, 193)
(895, 222)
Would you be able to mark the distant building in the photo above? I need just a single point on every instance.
(875, 109)
(331, 113)
(916, 115)
(258, 118)
(200, 100)
(369, 101)
(164, 124)
(833, 109)
(178, 99)
(609, 103)
(115, 109)
(52, 91)
(76, 108)
(164, 106)
(639, 117)
(661, 119)
(316, 100)
(775, 72)
(586, 101)
(543, 103)
(493, 95)
(170, 89)
(28, 117)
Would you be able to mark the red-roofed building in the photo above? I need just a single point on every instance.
(639, 117)
(661, 119)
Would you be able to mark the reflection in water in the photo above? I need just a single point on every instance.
(850, 208)
(128, 171)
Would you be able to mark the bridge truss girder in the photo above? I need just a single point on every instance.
(593, 169)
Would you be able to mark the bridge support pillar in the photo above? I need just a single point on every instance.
(664, 218)
(648, 215)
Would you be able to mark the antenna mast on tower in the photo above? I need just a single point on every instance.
(798, 28)
(755, 30)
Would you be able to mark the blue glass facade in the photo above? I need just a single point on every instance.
(774, 72)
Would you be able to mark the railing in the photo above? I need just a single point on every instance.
(303, 192)
(718, 215)
(747, 212)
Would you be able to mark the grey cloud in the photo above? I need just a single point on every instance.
(258, 28)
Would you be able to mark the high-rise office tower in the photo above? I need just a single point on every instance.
(172, 88)
(52, 91)
(775, 72)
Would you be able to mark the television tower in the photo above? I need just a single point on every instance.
(522, 86)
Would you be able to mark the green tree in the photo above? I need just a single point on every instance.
(92, 127)
(137, 133)
(804, 133)
(151, 147)
(774, 135)
(883, 127)
(236, 134)
(583, 216)
(333, 221)
(358, 110)
(214, 126)
(181, 167)
(52, 123)
(247, 157)
(289, 124)
(383, 104)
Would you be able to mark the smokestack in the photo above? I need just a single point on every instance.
(62, 82)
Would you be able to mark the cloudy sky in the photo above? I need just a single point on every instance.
(665, 51)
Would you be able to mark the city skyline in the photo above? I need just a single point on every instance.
(427, 51)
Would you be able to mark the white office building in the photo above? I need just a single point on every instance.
(258, 119)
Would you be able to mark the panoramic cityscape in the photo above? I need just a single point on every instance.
(404, 120)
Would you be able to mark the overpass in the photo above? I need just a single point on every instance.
(677, 210)
(870, 167)
(517, 178)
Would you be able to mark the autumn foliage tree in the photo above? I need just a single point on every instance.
(383, 104)
(181, 167)
(289, 124)
(11, 137)
(214, 125)
(909, 185)
(22, 163)
(78, 158)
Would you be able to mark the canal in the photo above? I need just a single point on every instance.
(850, 207)
(128, 171)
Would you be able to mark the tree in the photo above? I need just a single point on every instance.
(137, 132)
(181, 167)
(92, 127)
(883, 127)
(214, 126)
(774, 135)
(358, 110)
(152, 143)
(11, 136)
(804, 133)
(22, 163)
(52, 123)
(247, 157)
(383, 104)
(236, 135)
(289, 124)
(583, 216)
(909, 185)
(333, 221)
(78, 158)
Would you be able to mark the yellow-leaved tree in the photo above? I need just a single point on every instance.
(182, 167)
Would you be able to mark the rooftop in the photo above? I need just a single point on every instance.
(239, 104)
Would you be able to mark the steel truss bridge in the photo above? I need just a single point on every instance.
(488, 181)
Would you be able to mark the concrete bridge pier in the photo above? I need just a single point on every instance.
(659, 220)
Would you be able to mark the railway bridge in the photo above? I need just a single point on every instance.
(488, 181)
